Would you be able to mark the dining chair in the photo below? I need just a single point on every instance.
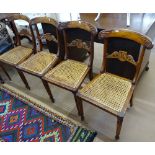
(20, 52)
(112, 90)
(69, 74)
(43, 59)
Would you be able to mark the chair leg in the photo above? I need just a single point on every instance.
(90, 74)
(79, 102)
(1, 80)
(146, 68)
(4, 70)
(45, 83)
(22, 76)
(131, 101)
(76, 101)
(119, 126)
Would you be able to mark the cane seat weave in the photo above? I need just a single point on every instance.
(16, 55)
(39, 63)
(107, 90)
(69, 73)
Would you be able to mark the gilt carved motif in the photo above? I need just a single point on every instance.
(79, 44)
(49, 37)
(122, 56)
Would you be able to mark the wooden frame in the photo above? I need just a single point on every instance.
(67, 26)
(34, 22)
(11, 20)
(146, 43)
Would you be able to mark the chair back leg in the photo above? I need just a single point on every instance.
(131, 101)
(91, 74)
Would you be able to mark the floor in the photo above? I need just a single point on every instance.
(138, 21)
(138, 123)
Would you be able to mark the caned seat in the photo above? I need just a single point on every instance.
(69, 73)
(107, 91)
(39, 63)
(16, 56)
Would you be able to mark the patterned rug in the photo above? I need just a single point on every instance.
(22, 120)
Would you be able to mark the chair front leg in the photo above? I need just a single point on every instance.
(4, 70)
(79, 102)
(45, 83)
(1, 80)
(119, 126)
(22, 76)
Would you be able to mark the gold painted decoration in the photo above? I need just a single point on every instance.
(122, 56)
(79, 44)
(49, 37)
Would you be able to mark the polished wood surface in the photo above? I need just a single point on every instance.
(138, 21)
(127, 34)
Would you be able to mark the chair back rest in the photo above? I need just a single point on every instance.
(13, 22)
(45, 31)
(123, 52)
(79, 38)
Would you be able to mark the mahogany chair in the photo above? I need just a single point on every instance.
(39, 63)
(112, 90)
(19, 53)
(69, 74)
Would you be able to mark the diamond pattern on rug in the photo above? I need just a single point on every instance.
(14, 119)
(23, 121)
(4, 108)
(31, 131)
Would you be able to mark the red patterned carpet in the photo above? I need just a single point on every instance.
(21, 120)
